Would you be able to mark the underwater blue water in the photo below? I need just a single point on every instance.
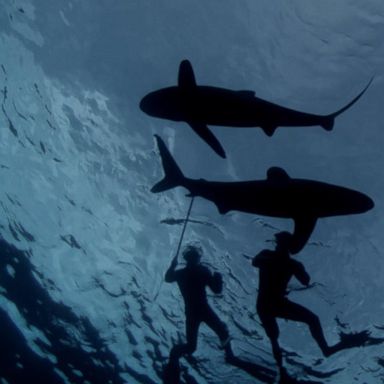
(84, 243)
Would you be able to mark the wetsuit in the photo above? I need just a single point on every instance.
(192, 281)
(275, 270)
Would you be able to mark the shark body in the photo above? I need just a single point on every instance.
(304, 201)
(200, 106)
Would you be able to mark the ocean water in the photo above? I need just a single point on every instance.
(85, 244)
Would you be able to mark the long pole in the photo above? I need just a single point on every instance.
(185, 225)
(180, 240)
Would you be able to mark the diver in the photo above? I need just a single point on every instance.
(275, 270)
(192, 281)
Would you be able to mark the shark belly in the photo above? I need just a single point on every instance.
(255, 197)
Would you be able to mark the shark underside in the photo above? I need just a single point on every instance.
(200, 106)
(304, 201)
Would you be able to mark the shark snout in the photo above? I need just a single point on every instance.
(369, 204)
(360, 203)
(156, 105)
(164, 103)
(145, 104)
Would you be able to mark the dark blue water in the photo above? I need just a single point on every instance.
(85, 244)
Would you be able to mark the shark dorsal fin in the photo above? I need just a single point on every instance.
(277, 174)
(186, 76)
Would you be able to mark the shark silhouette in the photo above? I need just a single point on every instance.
(200, 106)
(278, 195)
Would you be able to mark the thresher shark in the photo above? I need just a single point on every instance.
(200, 106)
(279, 195)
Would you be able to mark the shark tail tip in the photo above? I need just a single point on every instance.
(161, 186)
(173, 176)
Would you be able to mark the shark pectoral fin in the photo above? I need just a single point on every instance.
(203, 131)
(269, 130)
(186, 77)
(304, 227)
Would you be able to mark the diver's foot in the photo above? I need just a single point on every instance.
(356, 339)
(171, 372)
(349, 340)
(229, 356)
(283, 378)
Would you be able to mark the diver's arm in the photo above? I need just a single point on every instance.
(260, 259)
(170, 275)
(216, 282)
(213, 280)
(301, 274)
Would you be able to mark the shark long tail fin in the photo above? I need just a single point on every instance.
(329, 120)
(173, 175)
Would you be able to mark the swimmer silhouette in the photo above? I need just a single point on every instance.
(192, 281)
(200, 106)
(278, 195)
(275, 270)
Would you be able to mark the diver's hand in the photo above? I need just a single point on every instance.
(217, 282)
(174, 262)
(170, 275)
(259, 259)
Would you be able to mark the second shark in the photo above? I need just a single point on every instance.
(303, 201)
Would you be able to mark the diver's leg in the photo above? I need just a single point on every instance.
(192, 326)
(269, 323)
(296, 312)
(213, 321)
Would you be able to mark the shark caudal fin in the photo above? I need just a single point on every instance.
(173, 175)
(329, 120)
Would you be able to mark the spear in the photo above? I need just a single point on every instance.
(180, 241)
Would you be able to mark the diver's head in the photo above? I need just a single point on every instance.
(192, 255)
(283, 240)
